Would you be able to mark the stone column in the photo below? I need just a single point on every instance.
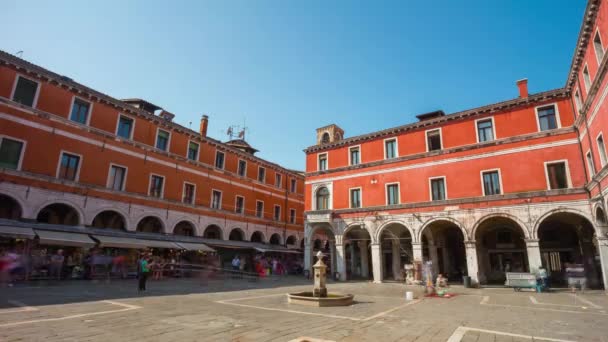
(332, 255)
(364, 259)
(602, 246)
(377, 262)
(417, 251)
(341, 261)
(353, 259)
(534, 259)
(472, 265)
(308, 257)
(396, 244)
(434, 258)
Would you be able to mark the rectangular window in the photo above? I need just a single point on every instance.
(239, 206)
(80, 111)
(433, 140)
(278, 180)
(355, 157)
(390, 148)
(125, 127)
(578, 102)
(277, 213)
(219, 160)
(438, 189)
(162, 140)
(601, 147)
(156, 186)
(557, 176)
(546, 118)
(586, 78)
(322, 166)
(242, 168)
(485, 130)
(262, 174)
(10, 153)
(68, 168)
(392, 194)
(355, 198)
(118, 174)
(293, 185)
(491, 183)
(590, 164)
(292, 216)
(599, 49)
(189, 191)
(25, 91)
(216, 199)
(193, 151)
(259, 209)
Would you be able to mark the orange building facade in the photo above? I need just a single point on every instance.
(508, 187)
(72, 156)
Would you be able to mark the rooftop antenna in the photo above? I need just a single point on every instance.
(236, 131)
(19, 54)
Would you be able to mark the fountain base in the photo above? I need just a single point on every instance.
(308, 299)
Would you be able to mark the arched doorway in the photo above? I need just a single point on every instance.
(109, 219)
(324, 241)
(236, 235)
(600, 216)
(150, 224)
(257, 236)
(395, 250)
(443, 244)
(58, 213)
(213, 232)
(9, 208)
(568, 239)
(184, 228)
(357, 243)
(275, 239)
(291, 241)
(501, 248)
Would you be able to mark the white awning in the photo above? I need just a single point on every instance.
(160, 244)
(17, 232)
(48, 237)
(189, 246)
(120, 242)
(276, 250)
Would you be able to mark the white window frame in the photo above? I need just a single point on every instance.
(491, 118)
(74, 98)
(237, 167)
(587, 80)
(568, 178)
(603, 158)
(350, 162)
(24, 142)
(426, 138)
(396, 148)
(258, 175)
(124, 183)
(558, 121)
(319, 161)
(578, 102)
(350, 199)
(35, 102)
(158, 129)
(223, 160)
(220, 202)
(256, 209)
(132, 127)
(80, 161)
(445, 187)
(280, 178)
(236, 201)
(193, 193)
(162, 191)
(386, 193)
(294, 187)
(198, 150)
(295, 219)
(597, 34)
(590, 163)
(274, 208)
(483, 190)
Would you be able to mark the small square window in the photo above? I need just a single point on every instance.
(10, 153)
(125, 127)
(355, 157)
(162, 140)
(590, 164)
(261, 175)
(546, 118)
(242, 168)
(25, 91)
(438, 189)
(587, 78)
(193, 151)
(392, 194)
(189, 191)
(156, 186)
(293, 186)
(278, 180)
(433, 140)
(118, 175)
(390, 149)
(239, 207)
(219, 160)
(556, 172)
(68, 168)
(80, 111)
(323, 162)
(491, 183)
(485, 130)
(355, 198)
(277, 213)
(292, 216)
(259, 209)
(216, 199)
(601, 147)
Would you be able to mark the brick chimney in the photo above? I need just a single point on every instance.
(523, 88)
(204, 124)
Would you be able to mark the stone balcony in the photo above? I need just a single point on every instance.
(319, 216)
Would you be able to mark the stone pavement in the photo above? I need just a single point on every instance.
(239, 310)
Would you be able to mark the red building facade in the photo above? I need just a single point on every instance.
(505, 187)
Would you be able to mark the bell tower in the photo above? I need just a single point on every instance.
(329, 134)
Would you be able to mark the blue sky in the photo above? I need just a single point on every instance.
(288, 67)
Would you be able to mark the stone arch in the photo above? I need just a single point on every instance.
(275, 239)
(257, 236)
(236, 234)
(378, 234)
(79, 212)
(520, 223)
(291, 240)
(600, 215)
(322, 226)
(213, 231)
(561, 210)
(10, 207)
(103, 219)
(354, 225)
(430, 221)
(151, 224)
(149, 214)
(185, 228)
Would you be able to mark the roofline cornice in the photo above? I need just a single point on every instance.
(584, 34)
